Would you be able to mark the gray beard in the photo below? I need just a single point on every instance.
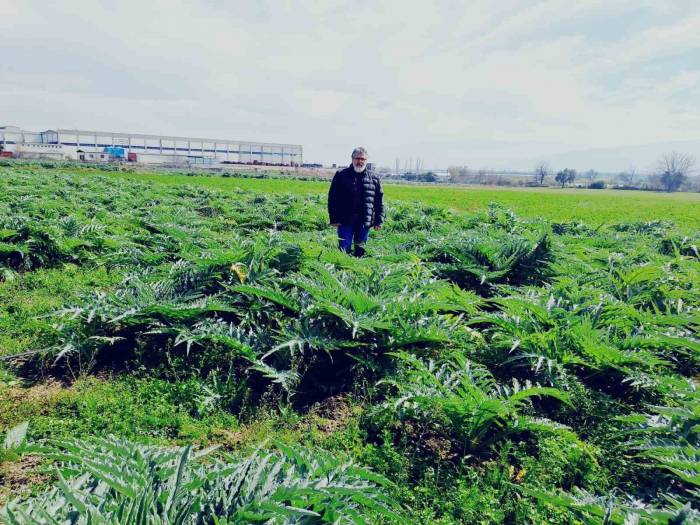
(358, 170)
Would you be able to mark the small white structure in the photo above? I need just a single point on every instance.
(150, 149)
(89, 156)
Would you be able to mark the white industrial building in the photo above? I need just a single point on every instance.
(97, 146)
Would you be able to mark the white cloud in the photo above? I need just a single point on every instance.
(657, 42)
(451, 83)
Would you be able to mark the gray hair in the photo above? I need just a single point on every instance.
(359, 151)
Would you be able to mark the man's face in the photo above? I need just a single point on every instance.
(359, 162)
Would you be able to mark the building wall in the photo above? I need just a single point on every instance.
(40, 151)
(154, 148)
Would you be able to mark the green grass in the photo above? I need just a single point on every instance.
(152, 409)
(554, 204)
(28, 298)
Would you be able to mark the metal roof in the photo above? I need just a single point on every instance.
(168, 137)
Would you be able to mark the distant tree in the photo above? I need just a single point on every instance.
(653, 182)
(673, 168)
(694, 184)
(565, 176)
(672, 181)
(458, 174)
(541, 172)
(629, 176)
(591, 175)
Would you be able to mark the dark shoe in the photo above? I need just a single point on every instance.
(359, 251)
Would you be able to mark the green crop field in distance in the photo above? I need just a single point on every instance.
(595, 206)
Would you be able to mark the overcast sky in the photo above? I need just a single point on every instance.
(492, 83)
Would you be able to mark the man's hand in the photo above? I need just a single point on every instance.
(378, 227)
(335, 224)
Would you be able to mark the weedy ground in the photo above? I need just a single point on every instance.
(481, 365)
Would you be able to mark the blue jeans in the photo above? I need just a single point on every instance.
(349, 233)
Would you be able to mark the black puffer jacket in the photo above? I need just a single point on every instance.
(341, 198)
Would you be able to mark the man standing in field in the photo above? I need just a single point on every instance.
(355, 203)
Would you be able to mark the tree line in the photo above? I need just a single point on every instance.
(673, 172)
